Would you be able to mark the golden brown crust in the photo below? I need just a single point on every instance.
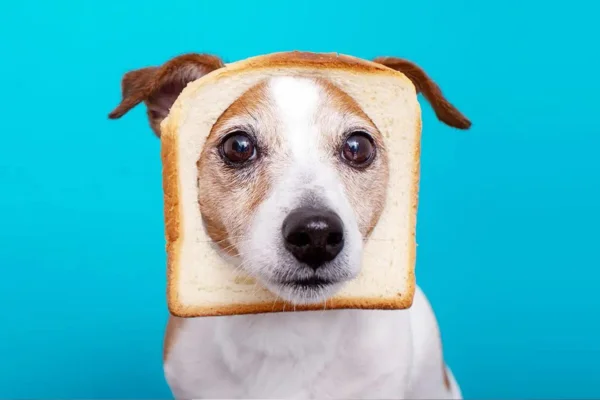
(172, 210)
(183, 311)
(299, 59)
(314, 60)
(412, 212)
(172, 205)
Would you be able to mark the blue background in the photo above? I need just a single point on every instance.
(508, 219)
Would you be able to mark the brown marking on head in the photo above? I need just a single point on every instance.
(366, 189)
(444, 110)
(342, 100)
(159, 87)
(229, 196)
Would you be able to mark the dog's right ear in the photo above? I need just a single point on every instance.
(159, 87)
(444, 110)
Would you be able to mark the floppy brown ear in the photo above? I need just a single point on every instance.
(159, 87)
(445, 111)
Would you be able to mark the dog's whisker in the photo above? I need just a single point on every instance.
(238, 270)
(232, 245)
(220, 241)
(256, 288)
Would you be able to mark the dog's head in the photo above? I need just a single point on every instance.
(294, 173)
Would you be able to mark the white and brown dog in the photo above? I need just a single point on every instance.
(324, 213)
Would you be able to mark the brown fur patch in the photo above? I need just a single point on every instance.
(343, 101)
(228, 197)
(446, 378)
(159, 87)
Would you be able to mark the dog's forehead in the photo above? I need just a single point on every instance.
(296, 113)
(296, 102)
(296, 99)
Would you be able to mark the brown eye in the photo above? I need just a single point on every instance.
(358, 150)
(238, 148)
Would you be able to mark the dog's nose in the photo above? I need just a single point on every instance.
(313, 236)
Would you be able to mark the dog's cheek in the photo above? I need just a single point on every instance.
(256, 188)
(379, 188)
(366, 191)
(243, 193)
(213, 200)
(355, 194)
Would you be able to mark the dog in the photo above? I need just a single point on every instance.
(341, 354)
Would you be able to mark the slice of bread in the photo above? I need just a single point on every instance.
(200, 281)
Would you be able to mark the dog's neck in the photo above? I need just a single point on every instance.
(282, 334)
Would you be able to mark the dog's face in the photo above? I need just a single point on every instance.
(293, 173)
(293, 178)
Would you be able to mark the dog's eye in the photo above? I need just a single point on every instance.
(358, 150)
(238, 148)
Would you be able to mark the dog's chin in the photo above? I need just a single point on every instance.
(305, 292)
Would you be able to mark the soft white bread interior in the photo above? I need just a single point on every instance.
(200, 281)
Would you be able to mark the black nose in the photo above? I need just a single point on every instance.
(313, 236)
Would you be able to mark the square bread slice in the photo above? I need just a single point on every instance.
(200, 282)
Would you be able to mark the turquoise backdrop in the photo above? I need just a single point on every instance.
(509, 215)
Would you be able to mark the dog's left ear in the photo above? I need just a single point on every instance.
(444, 110)
(159, 87)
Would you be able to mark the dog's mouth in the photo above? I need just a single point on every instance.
(306, 290)
(313, 282)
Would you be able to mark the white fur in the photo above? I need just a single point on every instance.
(342, 354)
(305, 172)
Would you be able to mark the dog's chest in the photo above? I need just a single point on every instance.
(339, 354)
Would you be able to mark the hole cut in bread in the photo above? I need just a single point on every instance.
(200, 281)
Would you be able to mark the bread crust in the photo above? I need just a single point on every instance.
(299, 59)
(172, 192)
